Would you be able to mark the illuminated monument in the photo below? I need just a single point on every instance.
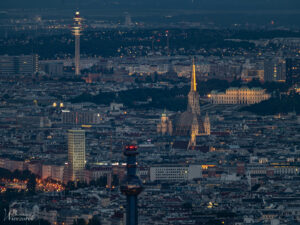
(131, 185)
(77, 28)
(165, 126)
(190, 123)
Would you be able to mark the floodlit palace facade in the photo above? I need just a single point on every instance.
(243, 95)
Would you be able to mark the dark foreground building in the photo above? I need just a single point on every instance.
(131, 185)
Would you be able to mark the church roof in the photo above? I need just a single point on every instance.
(184, 123)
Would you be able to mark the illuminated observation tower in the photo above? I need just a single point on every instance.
(77, 28)
(131, 185)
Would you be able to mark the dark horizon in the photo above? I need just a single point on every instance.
(158, 4)
(223, 13)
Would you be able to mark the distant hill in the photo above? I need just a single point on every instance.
(159, 4)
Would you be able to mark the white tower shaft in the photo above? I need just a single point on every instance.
(77, 28)
(77, 55)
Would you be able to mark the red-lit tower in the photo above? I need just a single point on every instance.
(77, 28)
(131, 185)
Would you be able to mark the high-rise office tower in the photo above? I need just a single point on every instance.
(293, 71)
(131, 186)
(275, 70)
(76, 154)
(128, 21)
(19, 65)
(268, 70)
(77, 28)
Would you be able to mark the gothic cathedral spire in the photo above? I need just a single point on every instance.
(193, 96)
(193, 78)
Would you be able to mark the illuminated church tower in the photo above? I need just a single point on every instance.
(194, 133)
(207, 125)
(189, 122)
(194, 107)
(165, 125)
(77, 28)
(193, 96)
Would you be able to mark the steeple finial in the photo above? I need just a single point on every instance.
(193, 78)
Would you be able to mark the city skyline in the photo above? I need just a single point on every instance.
(149, 112)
